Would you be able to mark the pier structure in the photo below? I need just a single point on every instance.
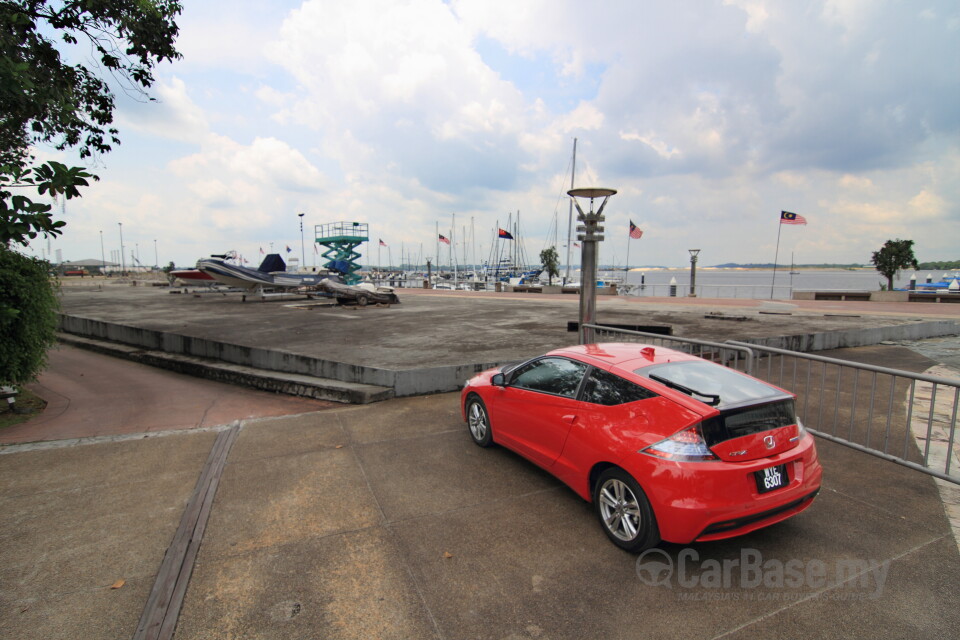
(341, 240)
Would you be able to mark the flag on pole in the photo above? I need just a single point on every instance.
(289, 249)
(635, 231)
(444, 240)
(506, 235)
(382, 243)
(315, 247)
(261, 250)
(791, 218)
(576, 245)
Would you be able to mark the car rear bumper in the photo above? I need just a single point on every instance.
(699, 501)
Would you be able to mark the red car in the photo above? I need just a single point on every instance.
(667, 446)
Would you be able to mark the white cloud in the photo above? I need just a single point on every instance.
(172, 115)
(708, 116)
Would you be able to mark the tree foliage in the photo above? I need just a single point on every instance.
(28, 318)
(892, 257)
(551, 263)
(45, 100)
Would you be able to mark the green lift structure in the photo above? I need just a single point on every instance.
(341, 240)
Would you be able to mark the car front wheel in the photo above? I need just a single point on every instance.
(624, 511)
(478, 421)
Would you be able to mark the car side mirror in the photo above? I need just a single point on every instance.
(498, 380)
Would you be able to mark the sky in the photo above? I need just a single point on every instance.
(425, 117)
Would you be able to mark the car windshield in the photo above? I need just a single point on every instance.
(710, 383)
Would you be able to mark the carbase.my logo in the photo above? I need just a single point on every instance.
(657, 568)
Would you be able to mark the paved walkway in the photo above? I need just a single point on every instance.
(90, 395)
(931, 429)
(386, 521)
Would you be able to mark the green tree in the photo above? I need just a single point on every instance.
(551, 263)
(44, 100)
(892, 257)
(47, 101)
(28, 316)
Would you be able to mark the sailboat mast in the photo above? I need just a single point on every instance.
(573, 173)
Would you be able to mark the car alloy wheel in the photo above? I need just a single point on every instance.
(624, 512)
(479, 422)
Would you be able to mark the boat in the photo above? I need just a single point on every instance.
(193, 277)
(271, 275)
(949, 282)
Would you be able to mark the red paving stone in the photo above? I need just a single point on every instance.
(90, 394)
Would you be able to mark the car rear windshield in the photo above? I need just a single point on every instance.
(711, 383)
(745, 421)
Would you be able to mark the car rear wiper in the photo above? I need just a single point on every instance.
(715, 399)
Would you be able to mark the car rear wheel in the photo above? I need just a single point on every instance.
(624, 511)
(362, 300)
(478, 421)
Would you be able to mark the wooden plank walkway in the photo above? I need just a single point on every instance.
(160, 614)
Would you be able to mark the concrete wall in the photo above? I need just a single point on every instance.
(404, 382)
(860, 337)
(410, 382)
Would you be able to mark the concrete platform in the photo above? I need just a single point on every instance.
(386, 521)
(434, 340)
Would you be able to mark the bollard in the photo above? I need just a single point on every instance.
(673, 287)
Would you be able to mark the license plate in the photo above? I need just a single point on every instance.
(772, 478)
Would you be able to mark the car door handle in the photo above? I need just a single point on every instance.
(569, 419)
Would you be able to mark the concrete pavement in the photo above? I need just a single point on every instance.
(386, 521)
(434, 340)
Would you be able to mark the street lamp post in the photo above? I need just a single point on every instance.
(303, 253)
(123, 262)
(103, 255)
(589, 233)
(693, 271)
(156, 256)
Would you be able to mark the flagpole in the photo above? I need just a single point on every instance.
(776, 255)
(626, 269)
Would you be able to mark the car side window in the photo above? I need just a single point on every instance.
(603, 387)
(558, 376)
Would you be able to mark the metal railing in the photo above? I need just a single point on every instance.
(754, 291)
(740, 357)
(900, 416)
(904, 417)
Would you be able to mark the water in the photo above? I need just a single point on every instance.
(758, 283)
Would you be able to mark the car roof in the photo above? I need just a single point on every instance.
(627, 356)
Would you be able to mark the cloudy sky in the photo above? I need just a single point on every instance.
(709, 117)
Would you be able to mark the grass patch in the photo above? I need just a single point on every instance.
(28, 405)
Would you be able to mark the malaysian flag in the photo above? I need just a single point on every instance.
(382, 243)
(791, 218)
(635, 231)
(444, 240)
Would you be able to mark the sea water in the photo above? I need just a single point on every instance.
(760, 283)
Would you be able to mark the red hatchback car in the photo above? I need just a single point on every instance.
(668, 446)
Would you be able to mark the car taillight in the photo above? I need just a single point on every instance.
(683, 446)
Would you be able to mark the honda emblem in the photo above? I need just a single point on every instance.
(769, 441)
